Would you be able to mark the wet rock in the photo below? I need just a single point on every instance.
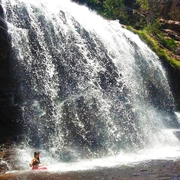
(9, 128)
(136, 174)
(143, 170)
(170, 24)
(7, 158)
(3, 167)
(172, 34)
(171, 29)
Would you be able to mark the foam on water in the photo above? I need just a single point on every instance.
(122, 159)
(119, 160)
(178, 116)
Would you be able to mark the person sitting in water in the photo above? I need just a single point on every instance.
(35, 161)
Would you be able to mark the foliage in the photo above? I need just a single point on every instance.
(143, 4)
(93, 4)
(153, 44)
(167, 43)
(154, 29)
(113, 8)
(110, 9)
(141, 15)
(132, 12)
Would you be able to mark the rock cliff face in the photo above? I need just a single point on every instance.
(171, 29)
(10, 129)
(171, 10)
(170, 25)
(8, 111)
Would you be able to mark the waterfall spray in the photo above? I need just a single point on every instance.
(87, 87)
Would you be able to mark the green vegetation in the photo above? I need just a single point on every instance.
(154, 29)
(110, 9)
(137, 13)
(154, 45)
(141, 17)
(167, 43)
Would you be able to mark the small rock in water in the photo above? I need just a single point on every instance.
(3, 167)
(136, 174)
(143, 170)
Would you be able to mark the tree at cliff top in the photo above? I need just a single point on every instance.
(110, 9)
(137, 13)
(122, 10)
(150, 8)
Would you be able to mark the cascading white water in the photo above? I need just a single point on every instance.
(86, 86)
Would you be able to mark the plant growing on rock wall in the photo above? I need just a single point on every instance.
(113, 8)
(150, 8)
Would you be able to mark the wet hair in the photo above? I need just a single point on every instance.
(35, 153)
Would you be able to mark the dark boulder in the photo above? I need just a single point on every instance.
(8, 110)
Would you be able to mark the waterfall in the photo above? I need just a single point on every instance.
(87, 87)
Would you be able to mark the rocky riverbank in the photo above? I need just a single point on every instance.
(145, 170)
(151, 170)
